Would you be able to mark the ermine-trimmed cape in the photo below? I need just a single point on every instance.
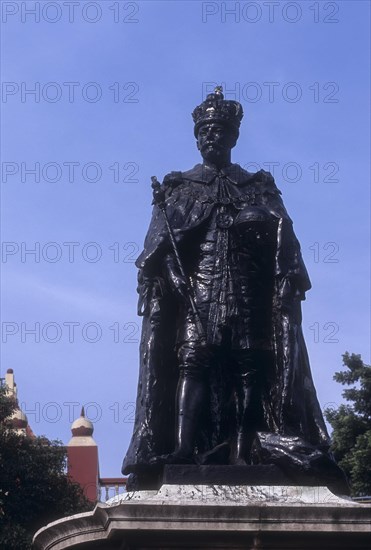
(290, 404)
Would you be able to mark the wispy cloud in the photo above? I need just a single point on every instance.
(71, 297)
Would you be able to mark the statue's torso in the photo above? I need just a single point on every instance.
(230, 262)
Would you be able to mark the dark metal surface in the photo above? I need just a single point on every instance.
(221, 254)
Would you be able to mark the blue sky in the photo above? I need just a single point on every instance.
(111, 108)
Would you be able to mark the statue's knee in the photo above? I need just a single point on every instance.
(193, 361)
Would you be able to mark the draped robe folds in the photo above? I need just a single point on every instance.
(295, 432)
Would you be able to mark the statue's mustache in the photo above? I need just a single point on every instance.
(208, 144)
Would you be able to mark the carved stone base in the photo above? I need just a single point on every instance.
(223, 475)
(154, 477)
(215, 517)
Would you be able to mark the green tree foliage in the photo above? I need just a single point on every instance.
(351, 423)
(34, 488)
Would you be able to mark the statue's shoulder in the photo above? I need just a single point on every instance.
(239, 174)
(172, 179)
(178, 180)
(261, 181)
(197, 174)
(177, 177)
(264, 181)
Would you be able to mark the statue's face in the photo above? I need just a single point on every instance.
(215, 142)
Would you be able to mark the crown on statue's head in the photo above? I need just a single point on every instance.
(217, 109)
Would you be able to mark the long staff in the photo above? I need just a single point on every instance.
(159, 200)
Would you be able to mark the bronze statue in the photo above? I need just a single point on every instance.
(224, 376)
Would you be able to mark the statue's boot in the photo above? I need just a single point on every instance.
(190, 397)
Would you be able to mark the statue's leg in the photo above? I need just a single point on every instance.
(250, 368)
(194, 360)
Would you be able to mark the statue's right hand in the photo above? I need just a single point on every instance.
(177, 282)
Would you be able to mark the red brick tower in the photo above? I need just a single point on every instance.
(82, 457)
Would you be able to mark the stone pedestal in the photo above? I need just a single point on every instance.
(216, 517)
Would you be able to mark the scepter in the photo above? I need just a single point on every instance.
(159, 200)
